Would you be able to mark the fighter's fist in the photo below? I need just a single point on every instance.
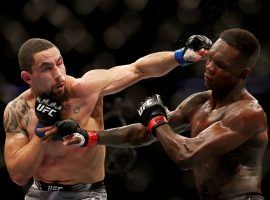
(71, 131)
(189, 54)
(152, 112)
(197, 42)
(47, 112)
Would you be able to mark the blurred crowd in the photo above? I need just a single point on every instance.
(104, 33)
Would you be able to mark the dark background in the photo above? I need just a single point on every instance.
(104, 33)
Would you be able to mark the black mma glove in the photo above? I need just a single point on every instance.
(71, 128)
(47, 111)
(152, 113)
(188, 54)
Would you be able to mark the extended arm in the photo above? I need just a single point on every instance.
(120, 77)
(154, 65)
(134, 135)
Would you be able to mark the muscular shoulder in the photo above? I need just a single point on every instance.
(19, 102)
(84, 86)
(198, 98)
(17, 113)
(192, 102)
(246, 116)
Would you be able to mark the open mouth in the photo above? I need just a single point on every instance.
(60, 87)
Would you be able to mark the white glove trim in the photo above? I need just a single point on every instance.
(78, 135)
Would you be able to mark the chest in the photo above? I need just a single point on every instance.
(76, 110)
(87, 112)
(205, 117)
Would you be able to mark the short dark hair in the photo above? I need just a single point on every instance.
(28, 49)
(245, 42)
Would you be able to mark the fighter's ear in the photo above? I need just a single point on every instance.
(26, 77)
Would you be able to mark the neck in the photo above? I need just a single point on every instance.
(228, 96)
(33, 93)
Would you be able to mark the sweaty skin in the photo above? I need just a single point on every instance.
(61, 164)
(228, 130)
(82, 100)
(226, 146)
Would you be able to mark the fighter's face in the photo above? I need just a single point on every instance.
(222, 67)
(49, 73)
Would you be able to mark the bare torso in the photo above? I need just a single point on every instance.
(70, 164)
(235, 172)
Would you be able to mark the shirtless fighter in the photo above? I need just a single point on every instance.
(60, 171)
(228, 126)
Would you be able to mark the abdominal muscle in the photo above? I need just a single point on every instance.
(72, 165)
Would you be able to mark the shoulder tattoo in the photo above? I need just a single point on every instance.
(16, 113)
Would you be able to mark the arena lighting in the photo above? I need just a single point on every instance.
(95, 34)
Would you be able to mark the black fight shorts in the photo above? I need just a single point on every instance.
(43, 191)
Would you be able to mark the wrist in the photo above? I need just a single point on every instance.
(156, 122)
(41, 140)
(179, 56)
(92, 139)
(39, 134)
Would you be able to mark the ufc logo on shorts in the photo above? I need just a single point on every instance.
(54, 188)
(45, 109)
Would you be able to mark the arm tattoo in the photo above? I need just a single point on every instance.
(16, 114)
(23, 113)
(10, 121)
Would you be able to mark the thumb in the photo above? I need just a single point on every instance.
(71, 141)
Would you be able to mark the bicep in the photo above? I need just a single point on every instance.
(216, 140)
(121, 77)
(16, 137)
(112, 80)
(178, 121)
(13, 143)
(224, 136)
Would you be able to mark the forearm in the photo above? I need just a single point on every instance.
(26, 161)
(156, 64)
(134, 135)
(176, 146)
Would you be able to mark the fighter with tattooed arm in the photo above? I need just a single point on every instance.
(57, 169)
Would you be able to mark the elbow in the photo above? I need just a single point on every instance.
(185, 161)
(144, 141)
(18, 177)
(141, 140)
(20, 180)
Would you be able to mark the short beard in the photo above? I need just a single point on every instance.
(59, 97)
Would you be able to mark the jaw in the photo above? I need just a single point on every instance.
(60, 96)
